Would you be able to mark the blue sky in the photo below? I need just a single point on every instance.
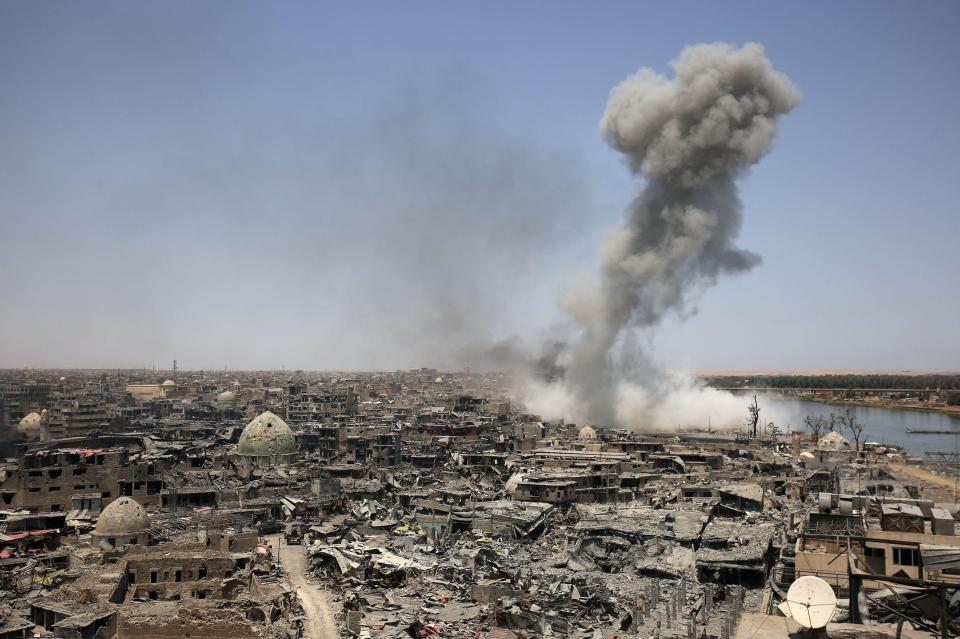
(376, 185)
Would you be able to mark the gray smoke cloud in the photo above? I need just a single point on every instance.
(691, 137)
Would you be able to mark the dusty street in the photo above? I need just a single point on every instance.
(320, 622)
(939, 487)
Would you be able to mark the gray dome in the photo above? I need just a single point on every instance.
(123, 517)
(267, 435)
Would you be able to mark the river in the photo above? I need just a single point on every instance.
(880, 424)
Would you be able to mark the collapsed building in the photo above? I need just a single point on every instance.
(425, 503)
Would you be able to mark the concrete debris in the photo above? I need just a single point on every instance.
(423, 504)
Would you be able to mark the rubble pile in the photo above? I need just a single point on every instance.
(423, 504)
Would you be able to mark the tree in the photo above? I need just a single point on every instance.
(754, 417)
(848, 420)
(833, 423)
(774, 431)
(816, 424)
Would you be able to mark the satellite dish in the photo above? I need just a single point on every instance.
(811, 602)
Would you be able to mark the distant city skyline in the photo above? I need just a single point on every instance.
(333, 188)
(213, 371)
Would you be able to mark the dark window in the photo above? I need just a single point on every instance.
(906, 556)
(202, 574)
(178, 575)
(153, 576)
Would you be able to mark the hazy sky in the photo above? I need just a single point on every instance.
(381, 185)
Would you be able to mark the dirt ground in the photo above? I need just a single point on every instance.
(941, 488)
(321, 621)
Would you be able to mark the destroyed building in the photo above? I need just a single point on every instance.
(418, 504)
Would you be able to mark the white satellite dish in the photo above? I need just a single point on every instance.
(811, 602)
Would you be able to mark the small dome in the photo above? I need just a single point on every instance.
(123, 517)
(169, 383)
(30, 424)
(267, 434)
(833, 441)
(587, 433)
(226, 397)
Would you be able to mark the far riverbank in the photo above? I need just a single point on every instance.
(882, 423)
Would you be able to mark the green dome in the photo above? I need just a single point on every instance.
(267, 435)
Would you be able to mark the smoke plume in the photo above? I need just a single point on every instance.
(690, 137)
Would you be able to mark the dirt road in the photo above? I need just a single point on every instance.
(942, 487)
(320, 622)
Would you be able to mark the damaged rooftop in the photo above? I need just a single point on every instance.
(421, 503)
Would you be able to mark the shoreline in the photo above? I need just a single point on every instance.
(953, 411)
(950, 411)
